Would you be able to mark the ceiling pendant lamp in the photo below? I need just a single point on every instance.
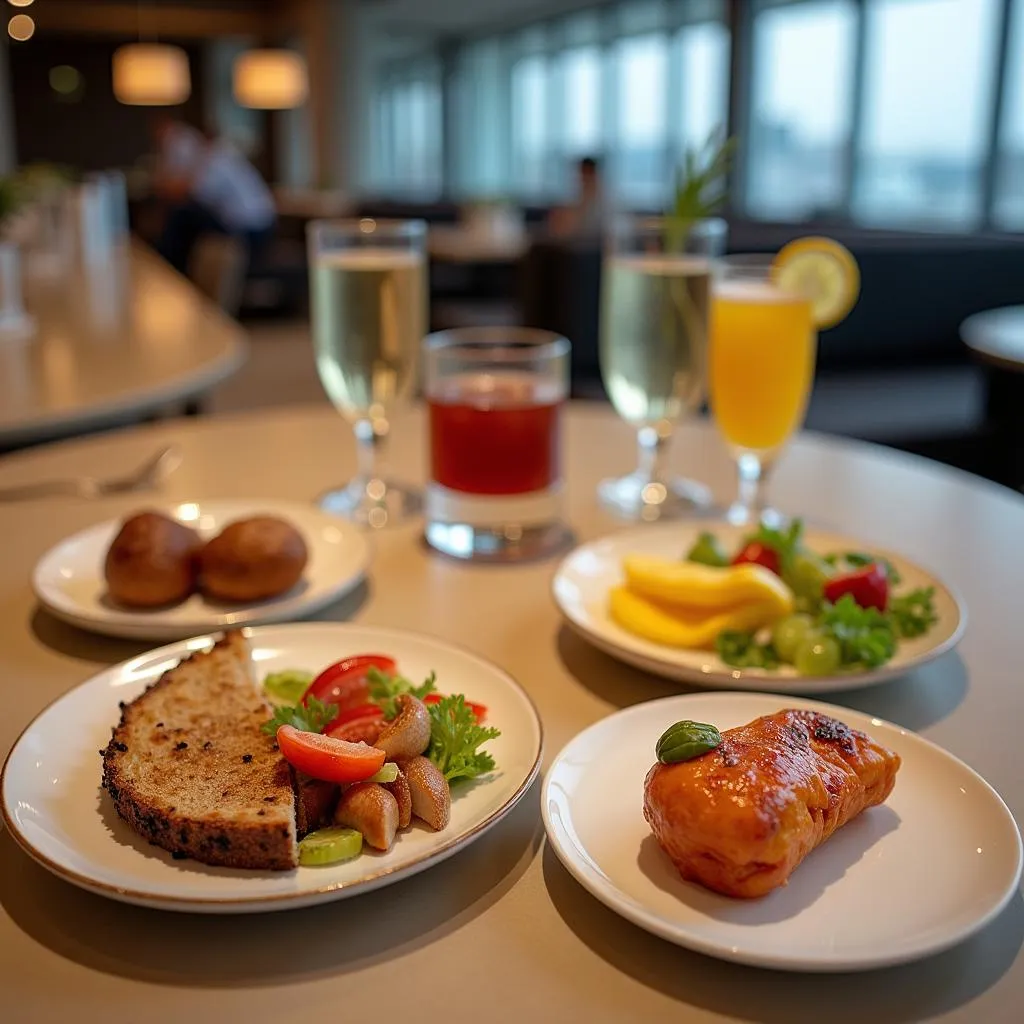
(151, 75)
(270, 80)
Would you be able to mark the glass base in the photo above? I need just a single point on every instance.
(743, 515)
(495, 544)
(374, 503)
(637, 497)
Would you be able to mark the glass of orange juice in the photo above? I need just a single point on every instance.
(760, 373)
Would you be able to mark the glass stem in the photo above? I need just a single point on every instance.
(371, 435)
(652, 442)
(753, 477)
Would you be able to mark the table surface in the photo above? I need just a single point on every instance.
(114, 341)
(997, 336)
(500, 932)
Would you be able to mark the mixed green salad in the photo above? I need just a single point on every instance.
(849, 614)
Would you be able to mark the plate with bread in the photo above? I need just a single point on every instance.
(195, 567)
(270, 768)
(780, 832)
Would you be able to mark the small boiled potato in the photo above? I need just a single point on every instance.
(152, 561)
(252, 560)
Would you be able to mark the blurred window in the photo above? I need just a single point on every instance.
(702, 53)
(1008, 211)
(799, 125)
(581, 85)
(481, 126)
(530, 124)
(640, 159)
(929, 92)
(407, 131)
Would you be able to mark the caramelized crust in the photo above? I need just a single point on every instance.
(742, 817)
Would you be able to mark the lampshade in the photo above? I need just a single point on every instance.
(151, 75)
(271, 79)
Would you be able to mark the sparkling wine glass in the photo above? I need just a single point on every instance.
(653, 349)
(369, 311)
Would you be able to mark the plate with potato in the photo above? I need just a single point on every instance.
(175, 572)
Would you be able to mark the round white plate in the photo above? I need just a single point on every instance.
(54, 807)
(68, 579)
(931, 866)
(587, 574)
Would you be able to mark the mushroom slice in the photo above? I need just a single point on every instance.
(399, 789)
(431, 797)
(408, 733)
(370, 809)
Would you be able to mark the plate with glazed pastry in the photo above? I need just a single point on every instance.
(780, 832)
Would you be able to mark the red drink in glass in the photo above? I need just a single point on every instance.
(494, 397)
(495, 434)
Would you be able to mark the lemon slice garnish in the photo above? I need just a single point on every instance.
(822, 270)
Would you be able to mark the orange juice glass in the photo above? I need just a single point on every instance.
(760, 373)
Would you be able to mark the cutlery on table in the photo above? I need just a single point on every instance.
(143, 477)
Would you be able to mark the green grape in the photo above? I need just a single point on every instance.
(806, 575)
(817, 655)
(789, 633)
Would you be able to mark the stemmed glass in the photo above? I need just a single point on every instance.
(655, 296)
(369, 313)
(763, 342)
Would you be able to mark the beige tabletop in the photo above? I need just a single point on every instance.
(997, 336)
(114, 341)
(500, 932)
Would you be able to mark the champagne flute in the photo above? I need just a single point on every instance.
(369, 311)
(653, 351)
(763, 346)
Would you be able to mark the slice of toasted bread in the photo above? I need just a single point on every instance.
(189, 769)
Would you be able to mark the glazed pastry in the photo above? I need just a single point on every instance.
(740, 818)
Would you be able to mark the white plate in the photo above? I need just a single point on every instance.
(54, 807)
(587, 574)
(934, 864)
(68, 579)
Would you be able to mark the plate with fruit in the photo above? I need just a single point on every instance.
(793, 610)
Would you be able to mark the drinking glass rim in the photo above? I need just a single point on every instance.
(362, 227)
(516, 344)
(624, 220)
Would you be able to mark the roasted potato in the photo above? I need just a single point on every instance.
(252, 560)
(152, 561)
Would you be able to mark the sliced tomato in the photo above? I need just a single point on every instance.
(478, 709)
(328, 758)
(362, 724)
(366, 729)
(869, 587)
(344, 683)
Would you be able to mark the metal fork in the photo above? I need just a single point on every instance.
(149, 474)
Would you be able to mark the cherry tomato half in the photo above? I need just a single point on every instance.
(869, 587)
(759, 554)
(327, 758)
(479, 710)
(365, 729)
(362, 724)
(344, 683)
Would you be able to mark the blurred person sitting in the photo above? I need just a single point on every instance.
(214, 190)
(587, 217)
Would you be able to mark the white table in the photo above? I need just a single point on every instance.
(113, 343)
(501, 932)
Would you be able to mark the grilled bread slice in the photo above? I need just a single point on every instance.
(189, 769)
